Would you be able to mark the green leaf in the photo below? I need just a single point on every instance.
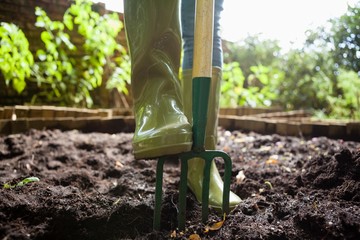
(65, 38)
(18, 84)
(46, 37)
(21, 183)
(68, 21)
(27, 180)
(40, 23)
(38, 11)
(41, 54)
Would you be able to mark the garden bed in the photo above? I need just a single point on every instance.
(90, 187)
(293, 123)
(17, 119)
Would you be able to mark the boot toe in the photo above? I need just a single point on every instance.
(216, 203)
(166, 141)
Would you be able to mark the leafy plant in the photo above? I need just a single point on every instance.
(261, 89)
(252, 51)
(54, 67)
(120, 78)
(347, 103)
(15, 58)
(309, 78)
(264, 83)
(67, 75)
(232, 86)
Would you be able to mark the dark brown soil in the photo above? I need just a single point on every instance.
(92, 188)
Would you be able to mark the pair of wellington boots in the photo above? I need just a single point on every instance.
(163, 124)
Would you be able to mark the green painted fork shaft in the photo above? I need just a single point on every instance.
(200, 96)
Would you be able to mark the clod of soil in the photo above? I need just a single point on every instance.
(92, 188)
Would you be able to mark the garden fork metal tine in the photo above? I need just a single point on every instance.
(158, 193)
(182, 194)
(208, 156)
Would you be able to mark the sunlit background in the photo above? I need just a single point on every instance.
(283, 20)
(286, 54)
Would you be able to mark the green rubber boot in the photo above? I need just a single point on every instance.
(154, 40)
(196, 165)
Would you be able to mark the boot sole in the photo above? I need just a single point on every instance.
(162, 146)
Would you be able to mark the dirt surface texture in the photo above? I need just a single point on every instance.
(72, 185)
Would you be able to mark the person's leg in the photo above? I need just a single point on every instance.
(187, 26)
(154, 40)
(196, 165)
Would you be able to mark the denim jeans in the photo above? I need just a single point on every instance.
(187, 26)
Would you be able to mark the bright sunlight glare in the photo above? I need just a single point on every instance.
(283, 20)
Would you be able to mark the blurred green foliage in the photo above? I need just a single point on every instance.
(15, 58)
(66, 74)
(345, 34)
(347, 104)
(323, 76)
(259, 92)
